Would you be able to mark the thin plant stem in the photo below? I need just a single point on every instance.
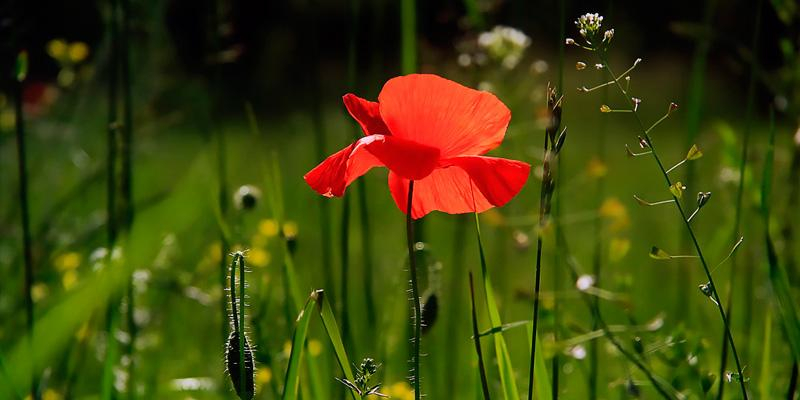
(689, 228)
(126, 184)
(594, 308)
(751, 87)
(412, 262)
(27, 246)
(477, 340)
(242, 355)
(344, 253)
(557, 207)
(408, 34)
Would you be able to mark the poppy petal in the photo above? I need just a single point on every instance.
(444, 114)
(366, 113)
(462, 185)
(406, 158)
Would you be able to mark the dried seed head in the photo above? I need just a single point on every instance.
(672, 107)
(643, 143)
(247, 391)
(430, 310)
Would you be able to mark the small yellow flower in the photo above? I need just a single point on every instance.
(67, 261)
(78, 51)
(268, 227)
(258, 257)
(618, 248)
(400, 391)
(615, 212)
(57, 48)
(38, 292)
(215, 252)
(263, 377)
(69, 279)
(290, 229)
(314, 347)
(596, 168)
(51, 394)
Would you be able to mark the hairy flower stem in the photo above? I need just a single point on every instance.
(683, 215)
(412, 262)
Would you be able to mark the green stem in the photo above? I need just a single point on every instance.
(412, 262)
(242, 358)
(477, 339)
(408, 34)
(699, 251)
(22, 168)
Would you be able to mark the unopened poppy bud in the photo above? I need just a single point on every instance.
(702, 198)
(247, 391)
(580, 65)
(246, 197)
(430, 310)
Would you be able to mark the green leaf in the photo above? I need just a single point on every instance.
(694, 153)
(21, 70)
(332, 328)
(292, 380)
(506, 369)
(658, 254)
(677, 189)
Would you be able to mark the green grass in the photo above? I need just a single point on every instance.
(182, 229)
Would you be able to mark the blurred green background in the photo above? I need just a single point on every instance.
(226, 94)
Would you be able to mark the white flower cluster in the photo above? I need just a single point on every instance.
(589, 24)
(504, 44)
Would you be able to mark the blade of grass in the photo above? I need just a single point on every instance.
(542, 382)
(766, 358)
(748, 121)
(504, 365)
(292, 380)
(477, 339)
(27, 244)
(777, 275)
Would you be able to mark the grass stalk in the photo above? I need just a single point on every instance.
(477, 339)
(504, 365)
(408, 35)
(27, 244)
(594, 308)
(557, 208)
(545, 197)
(682, 213)
(417, 309)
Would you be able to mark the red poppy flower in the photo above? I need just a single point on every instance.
(433, 131)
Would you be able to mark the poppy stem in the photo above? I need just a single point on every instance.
(412, 262)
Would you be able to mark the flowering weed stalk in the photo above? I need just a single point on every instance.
(598, 43)
(552, 145)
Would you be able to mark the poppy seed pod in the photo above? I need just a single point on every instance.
(232, 363)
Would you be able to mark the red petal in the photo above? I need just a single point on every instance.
(406, 158)
(462, 185)
(367, 113)
(440, 113)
